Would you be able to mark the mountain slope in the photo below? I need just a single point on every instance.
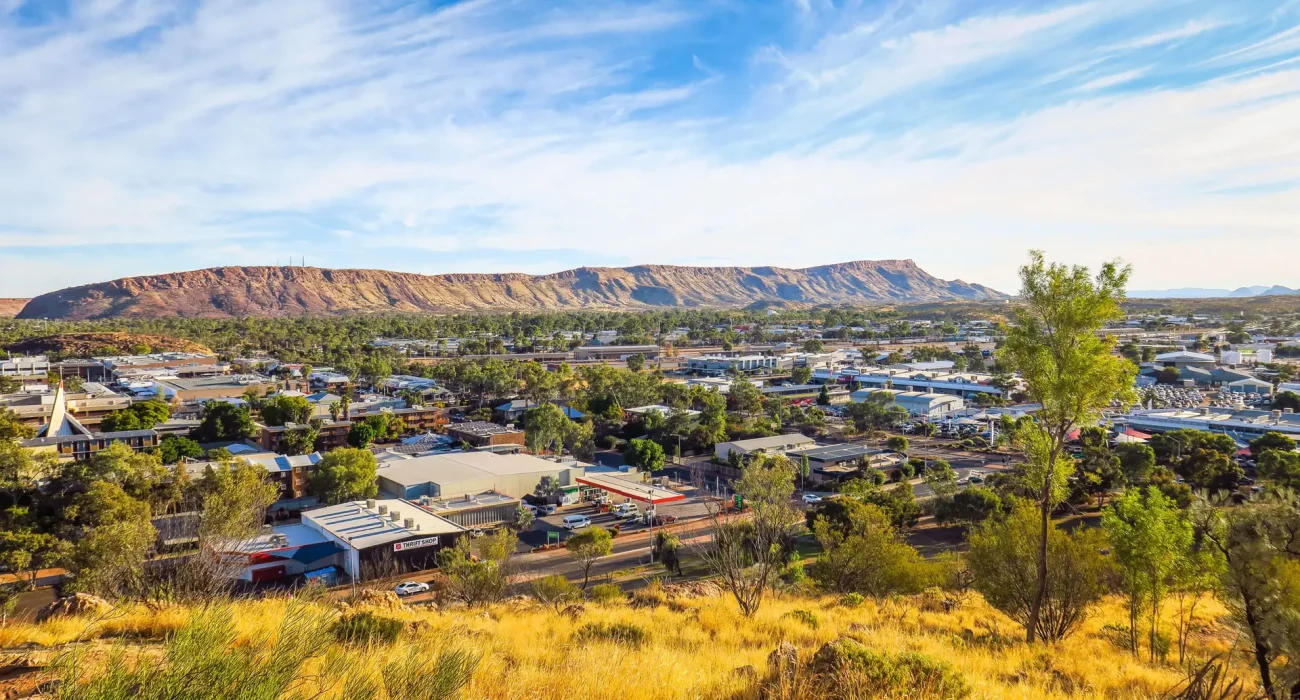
(10, 307)
(287, 291)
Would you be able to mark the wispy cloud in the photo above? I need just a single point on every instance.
(140, 136)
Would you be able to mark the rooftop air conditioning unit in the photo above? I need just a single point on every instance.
(370, 503)
(1276, 415)
(409, 523)
(383, 510)
(395, 516)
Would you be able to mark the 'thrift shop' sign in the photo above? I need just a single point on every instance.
(414, 544)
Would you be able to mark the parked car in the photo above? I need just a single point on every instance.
(411, 588)
(575, 522)
(811, 498)
(548, 509)
(531, 508)
(623, 509)
(660, 520)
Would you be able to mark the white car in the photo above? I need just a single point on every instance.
(548, 509)
(811, 498)
(574, 522)
(531, 508)
(411, 588)
(623, 509)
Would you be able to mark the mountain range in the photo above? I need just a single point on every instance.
(289, 291)
(1202, 293)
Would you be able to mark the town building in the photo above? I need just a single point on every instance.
(615, 352)
(366, 539)
(836, 461)
(1242, 424)
(774, 445)
(964, 384)
(160, 360)
(331, 435)
(482, 434)
(459, 474)
(722, 364)
(65, 436)
(916, 403)
(214, 387)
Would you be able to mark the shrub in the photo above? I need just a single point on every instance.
(616, 632)
(367, 628)
(852, 600)
(555, 591)
(607, 593)
(876, 674)
(805, 616)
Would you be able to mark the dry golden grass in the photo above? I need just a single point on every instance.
(696, 646)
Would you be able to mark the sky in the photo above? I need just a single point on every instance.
(149, 136)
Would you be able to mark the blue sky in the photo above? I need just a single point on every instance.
(148, 136)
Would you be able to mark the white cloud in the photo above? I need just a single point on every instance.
(1107, 81)
(467, 133)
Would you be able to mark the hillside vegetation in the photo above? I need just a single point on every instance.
(655, 646)
(103, 344)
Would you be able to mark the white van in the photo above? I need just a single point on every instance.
(574, 522)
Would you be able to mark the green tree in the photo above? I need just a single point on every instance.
(745, 397)
(747, 554)
(483, 577)
(282, 410)
(12, 428)
(864, 554)
(824, 396)
(636, 362)
(1151, 538)
(1099, 472)
(941, 478)
(801, 375)
(1070, 370)
(647, 455)
(897, 443)
(222, 421)
(667, 550)
(1255, 543)
(1136, 460)
(545, 427)
(523, 519)
(360, 435)
(1271, 441)
(555, 591)
(813, 345)
(1004, 554)
(27, 552)
(588, 545)
(972, 506)
(109, 560)
(1209, 469)
(877, 412)
(345, 474)
(1282, 468)
(175, 447)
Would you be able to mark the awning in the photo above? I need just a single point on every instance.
(631, 489)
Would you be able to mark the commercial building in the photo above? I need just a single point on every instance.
(365, 539)
(664, 411)
(1245, 425)
(26, 370)
(484, 434)
(916, 403)
(615, 352)
(776, 444)
(964, 384)
(721, 364)
(88, 406)
(214, 387)
(799, 392)
(459, 474)
(160, 360)
(833, 461)
(487, 509)
(1183, 359)
(415, 419)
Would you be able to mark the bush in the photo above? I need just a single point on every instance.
(607, 593)
(805, 616)
(852, 600)
(367, 628)
(616, 632)
(876, 674)
(555, 591)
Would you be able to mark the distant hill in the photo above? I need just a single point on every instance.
(1202, 293)
(290, 291)
(10, 307)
